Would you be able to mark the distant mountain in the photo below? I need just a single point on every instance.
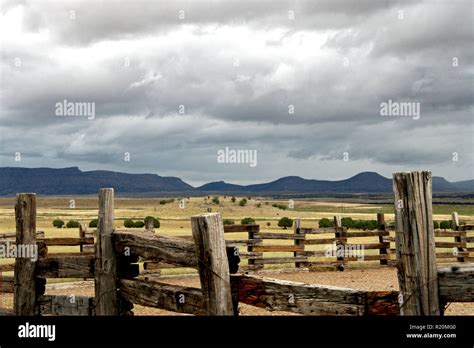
(64, 181)
(366, 182)
(69, 181)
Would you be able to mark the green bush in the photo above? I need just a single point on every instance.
(325, 222)
(258, 205)
(347, 222)
(247, 221)
(72, 224)
(165, 201)
(233, 199)
(94, 223)
(58, 223)
(156, 222)
(445, 225)
(280, 206)
(128, 223)
(269, 224)
(138, 224)
(285, 222)
(215, 200)
(436, 225)
(242, 202)
(228, 222)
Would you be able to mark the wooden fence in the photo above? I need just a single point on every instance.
(425, 288)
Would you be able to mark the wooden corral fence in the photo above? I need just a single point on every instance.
(425, 287)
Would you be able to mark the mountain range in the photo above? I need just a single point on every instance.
(69, 181)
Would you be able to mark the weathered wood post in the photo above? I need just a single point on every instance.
(341, 240)
(250, 248)
(106, 297)
(299, 242)
(24, 280)
(415, 244)
(461, 239)
(208, 234)
(381, 227)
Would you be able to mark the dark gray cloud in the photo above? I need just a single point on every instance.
(237, 68)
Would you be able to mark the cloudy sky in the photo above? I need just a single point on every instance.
(300, 82)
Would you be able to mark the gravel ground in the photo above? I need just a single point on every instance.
(359, 279)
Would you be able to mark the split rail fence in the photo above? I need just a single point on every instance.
(425, 287)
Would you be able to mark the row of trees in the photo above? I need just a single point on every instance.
(129, 223)
(284, 222)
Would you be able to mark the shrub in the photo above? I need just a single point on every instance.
(279, 206)
(165, 201)
(228, 222)
(128, 223)
(242, 202)
(72, 224)
(268, 224)
(58, 223)
(347, 222)
(156, 222)
(94, 223)
(138, 224)
(258, 205)
(325, 222)
(215, 200)
(435, 225)
(285, 222)
(233, 199)
(445, 225)
(247, 221)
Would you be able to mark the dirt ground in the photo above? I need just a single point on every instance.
(358, 279)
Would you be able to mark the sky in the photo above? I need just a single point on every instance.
(299, 84)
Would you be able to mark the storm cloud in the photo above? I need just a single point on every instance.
(300, 82)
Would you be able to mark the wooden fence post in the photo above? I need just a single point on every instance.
(208, 234)
(341, 239)
(106, 298)
(251, 261)
(24, 284)
(297, 230)
(462, 235)
(415, 244)
(381, 227)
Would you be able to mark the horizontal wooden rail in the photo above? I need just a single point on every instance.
(273, 294)
(6, 284)
(456, 284)
(66, 241)
(367, 234)
(7, 267)
(284, 236)
(151, 247)
(240, 228)
(160, 295)
(278, 248)
(66, 267)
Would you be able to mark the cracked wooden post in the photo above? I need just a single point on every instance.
(297, 230)
(415, 244)
(24, 297)
(106, 297)
(461, 239)
(381, 227)
(208, 234)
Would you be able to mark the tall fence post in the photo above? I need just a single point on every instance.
(106, 298)
(462, 235)
(24, 280)
(415, 244)
(297, 230)
(208, 234)
(341, 241)
(251, 261)
(381, 227)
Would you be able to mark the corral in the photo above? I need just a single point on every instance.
(119, 283)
